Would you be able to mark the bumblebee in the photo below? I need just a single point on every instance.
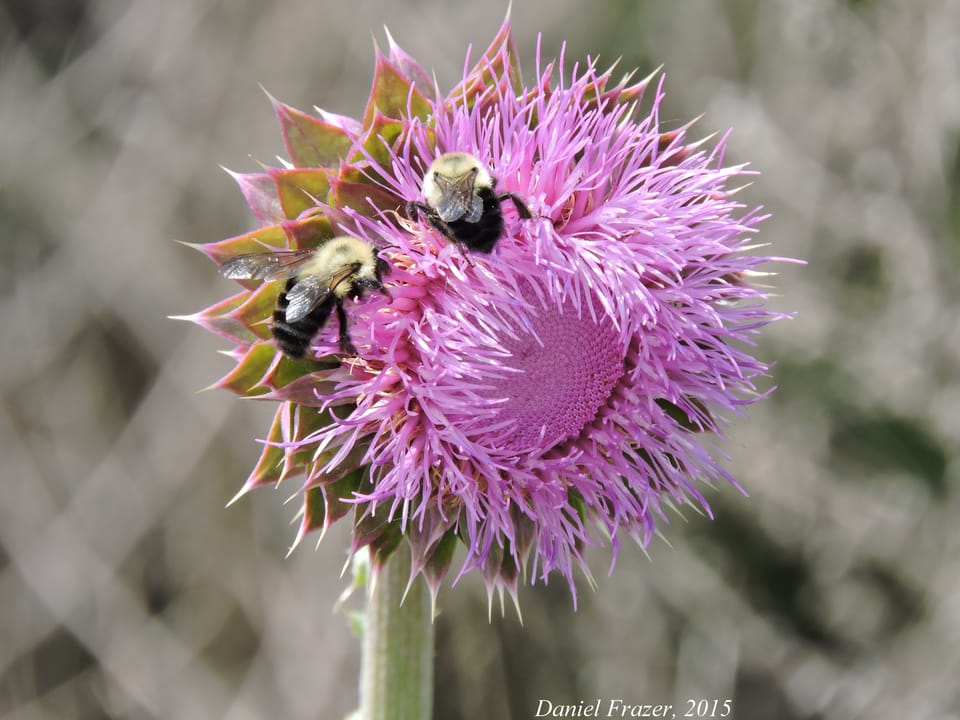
(461, 202)
(317, 281)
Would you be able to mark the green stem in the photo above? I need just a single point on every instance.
(396, 677)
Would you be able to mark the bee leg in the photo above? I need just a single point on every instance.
(433, 220)
(414, 208)
(463, 252)
(345, 345)
(522, 209)
(439, 225)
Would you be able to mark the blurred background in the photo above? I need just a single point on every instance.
(128, 591)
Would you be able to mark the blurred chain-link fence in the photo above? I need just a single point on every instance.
(127, 590)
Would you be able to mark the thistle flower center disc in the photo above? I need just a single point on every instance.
(562, 370)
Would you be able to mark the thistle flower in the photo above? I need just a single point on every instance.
(561, 392)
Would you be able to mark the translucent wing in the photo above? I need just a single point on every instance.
(303, 297)
(313, 290)
(457, 198)
(272, 265)
(341, 275)
(476, 210)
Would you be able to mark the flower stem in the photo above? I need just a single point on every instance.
(396, 677)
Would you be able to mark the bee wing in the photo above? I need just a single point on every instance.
(313, 290)
(457, 198)
(476, 209)
(341, 275)
(272, 265)
(305, 296)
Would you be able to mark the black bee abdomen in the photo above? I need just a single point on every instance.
(482, 235)
(294, 338)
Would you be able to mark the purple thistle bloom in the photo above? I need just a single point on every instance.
(555, 394)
